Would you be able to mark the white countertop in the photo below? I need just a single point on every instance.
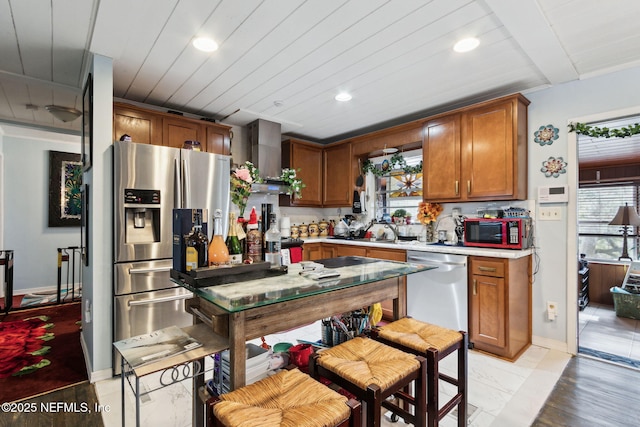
(415, 245)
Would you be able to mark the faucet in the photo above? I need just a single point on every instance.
(394, 229)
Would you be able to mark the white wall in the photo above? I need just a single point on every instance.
(26, 192)
(575, 101)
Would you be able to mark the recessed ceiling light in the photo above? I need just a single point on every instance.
(205, 44)
(466, 45)
(343, 97)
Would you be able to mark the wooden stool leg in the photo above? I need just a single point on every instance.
(374, 406)
(432, 387)
(462, 381)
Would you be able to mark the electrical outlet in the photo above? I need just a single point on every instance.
(552, 310)
(550, 213)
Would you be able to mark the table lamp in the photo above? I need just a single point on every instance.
(626, 216)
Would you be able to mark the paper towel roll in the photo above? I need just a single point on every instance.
(285, 227)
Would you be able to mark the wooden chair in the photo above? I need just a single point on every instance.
(373, 372)
(434, 343)
(289, 397)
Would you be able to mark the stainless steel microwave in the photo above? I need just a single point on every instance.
(502, 233)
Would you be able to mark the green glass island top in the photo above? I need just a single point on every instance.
(253, 293)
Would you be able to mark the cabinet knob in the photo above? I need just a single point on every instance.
(457, 188)
(468, 186)
(489, 269)
(475, 287)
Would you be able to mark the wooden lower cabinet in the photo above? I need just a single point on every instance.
(311, 251)
(315, 251)
(500, 305)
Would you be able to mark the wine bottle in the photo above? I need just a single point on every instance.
(233, 243)
(254, 238)
(272, 243)
(196, 245)
(218, 252)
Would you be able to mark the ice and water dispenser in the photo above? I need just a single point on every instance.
(142, 216)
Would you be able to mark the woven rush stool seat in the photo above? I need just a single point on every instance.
(288, 398)
(373, 372)
(433, 342)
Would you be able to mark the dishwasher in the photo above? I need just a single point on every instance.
(439, 296)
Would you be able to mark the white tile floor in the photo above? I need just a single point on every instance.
(600, 329)
(505, 393)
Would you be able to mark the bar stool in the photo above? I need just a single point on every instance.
(373, 372)
(289, 397)
(434, 343)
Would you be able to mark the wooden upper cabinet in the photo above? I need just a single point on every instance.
(441, 158)
(306, 157)
(175, 131)
(218, 139)
(478, 153)
(337, 176)
(143, 127)
(158, 128)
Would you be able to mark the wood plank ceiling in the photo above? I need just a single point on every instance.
(285, 60)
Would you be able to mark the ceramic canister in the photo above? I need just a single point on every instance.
(304, 230)
(313, 230)
(323, 227)
(295, 231)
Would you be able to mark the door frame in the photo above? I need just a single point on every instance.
(572, 221)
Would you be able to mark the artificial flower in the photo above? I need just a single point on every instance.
(295, 184)
(428, 212)
(240, 182)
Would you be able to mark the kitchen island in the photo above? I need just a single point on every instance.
(250, 309)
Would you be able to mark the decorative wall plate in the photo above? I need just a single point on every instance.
(546, 135)
(553, 167)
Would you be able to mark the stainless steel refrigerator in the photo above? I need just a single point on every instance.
(149, 181)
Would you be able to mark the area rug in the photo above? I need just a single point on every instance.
(47, 369)
(610, 357)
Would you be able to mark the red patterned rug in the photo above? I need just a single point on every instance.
(40, 351)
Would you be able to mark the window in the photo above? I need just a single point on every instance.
(396, 191)
(596, 208)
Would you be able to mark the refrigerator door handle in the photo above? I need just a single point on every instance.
(186, 197)
(157, 300)
(148, 270)
(177, 198)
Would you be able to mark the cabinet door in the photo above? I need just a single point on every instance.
(488, 153)
(217, 140)
(176, 131)
(337, 176)
(328, 251)
(441, 159)
(143, 127)
(348, 250)
(393, 255)
(488, 315)
(308, 159)
(311, 251)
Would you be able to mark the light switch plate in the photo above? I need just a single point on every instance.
(550, 213)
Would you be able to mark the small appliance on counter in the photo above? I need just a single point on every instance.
(501, 233)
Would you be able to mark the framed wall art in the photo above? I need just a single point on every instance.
(87, 124)
(65, 185)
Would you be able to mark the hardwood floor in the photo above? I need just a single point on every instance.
(593, 393)
(70, 407)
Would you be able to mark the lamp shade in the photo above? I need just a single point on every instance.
(64, 114)
(626, 215)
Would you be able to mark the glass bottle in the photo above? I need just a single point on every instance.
(272, 243)
(218, 252)
(254, 238)
(196, 245)
(233, 243)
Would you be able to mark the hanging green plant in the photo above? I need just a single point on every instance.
(396, 161)
(596, 132)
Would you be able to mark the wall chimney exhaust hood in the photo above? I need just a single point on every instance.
(266, 148)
